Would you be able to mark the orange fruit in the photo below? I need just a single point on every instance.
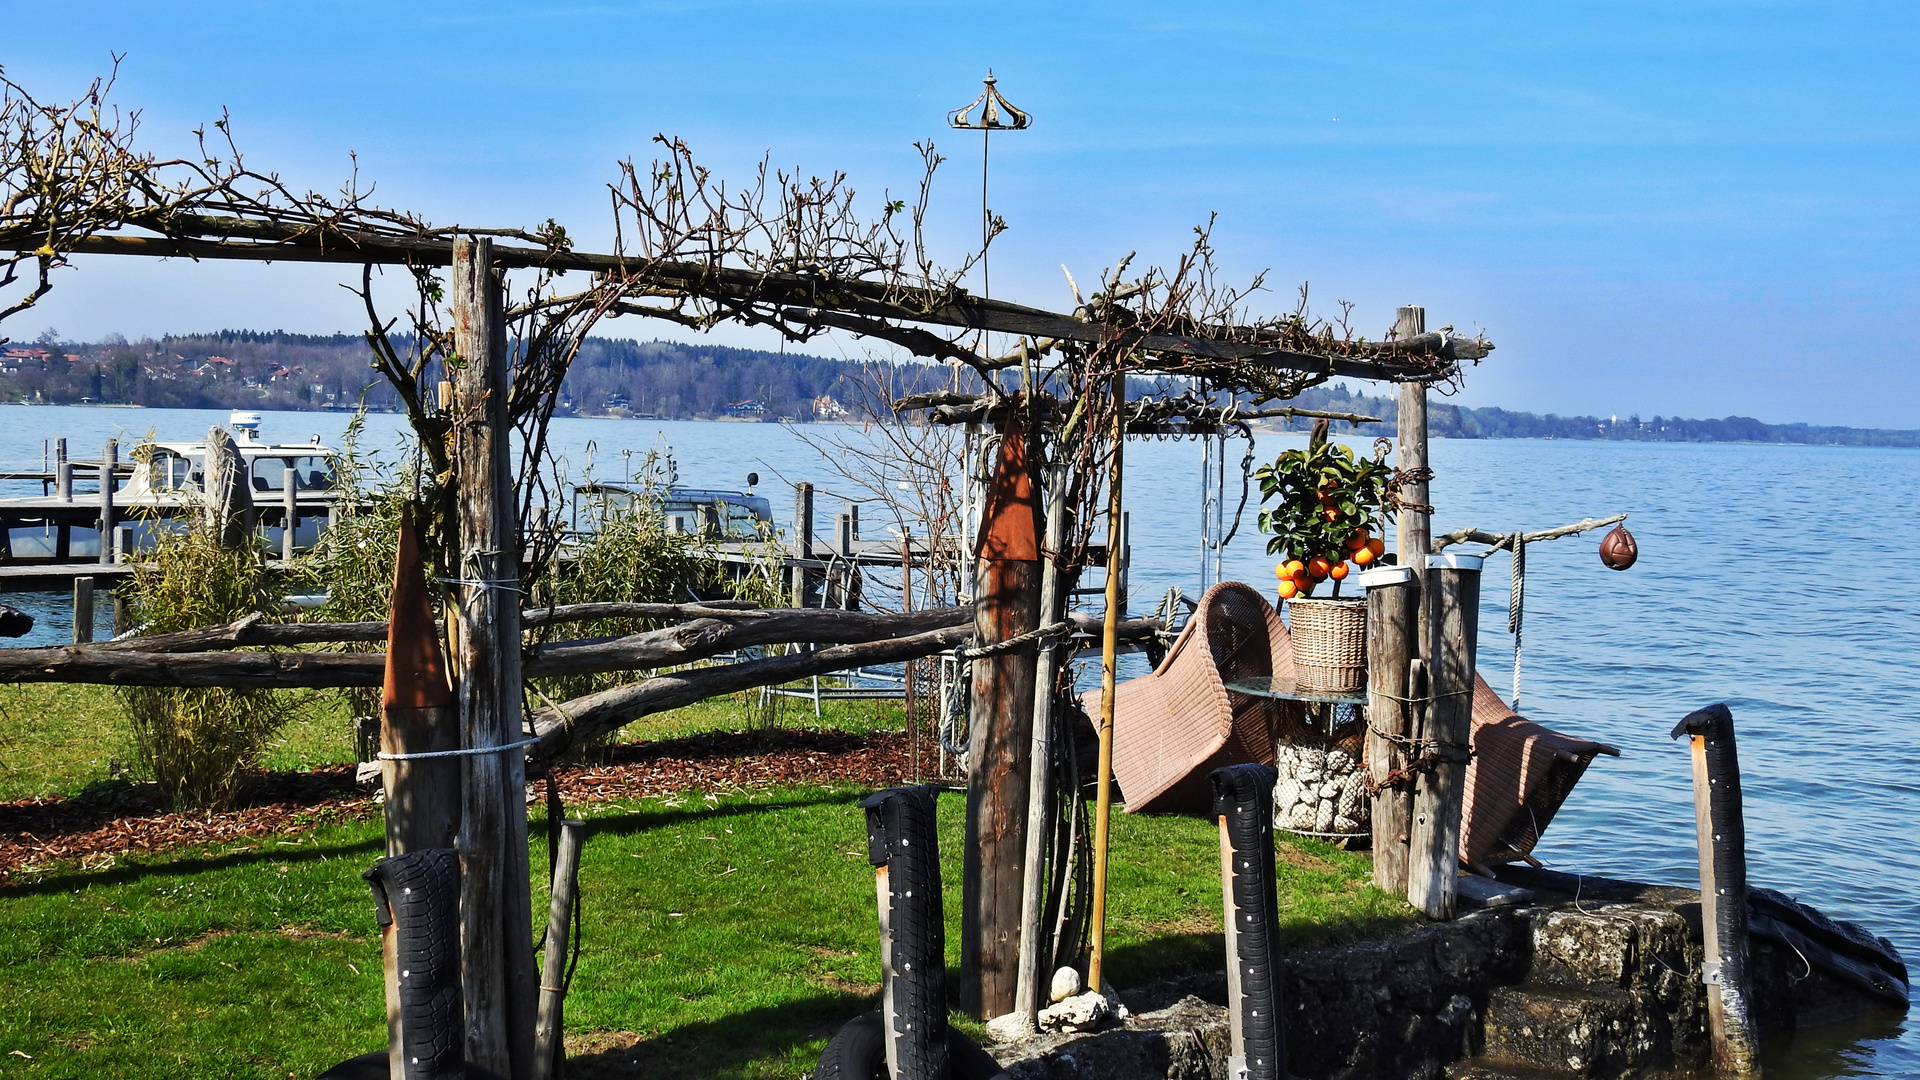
(1280, 570)
(1317, 568)
(1362, 556)
(1293, 568)
(1337, 571)
(1377, 546)
(1328, 513)
(1357, 541)
(1288, 590)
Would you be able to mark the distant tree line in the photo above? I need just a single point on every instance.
(680, 381)
(1448, 421)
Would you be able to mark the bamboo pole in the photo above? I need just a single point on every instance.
(1026, 997)
(549, 1048)
(496, 935)
(1109, 658)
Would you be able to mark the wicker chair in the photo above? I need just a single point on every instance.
(1173, 727)
(1520, 775)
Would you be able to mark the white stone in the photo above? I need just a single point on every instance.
(1330, 791)
(1338, 761)
(1081, 1012)
(1342, 824)
(1323, 818)
(1312, 760)
(1285, 794)
(1066, 983)
(1012, 1027)
(1300, 817)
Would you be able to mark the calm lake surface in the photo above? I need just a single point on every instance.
(1779, 580)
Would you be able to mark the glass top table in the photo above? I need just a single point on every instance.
(1262, 686)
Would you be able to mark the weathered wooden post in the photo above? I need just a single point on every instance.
(109, 465)
(1433, 871)
(1033, 953)
(999, 727)
(1720, 824)
(496, 937)
(1393, 605)
(1412, 525)
(82, 610)
(418, 714)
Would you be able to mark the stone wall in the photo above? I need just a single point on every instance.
(1606, 985)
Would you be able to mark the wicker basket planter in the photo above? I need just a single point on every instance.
(1329, 644)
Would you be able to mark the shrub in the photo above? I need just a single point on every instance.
(199, 743)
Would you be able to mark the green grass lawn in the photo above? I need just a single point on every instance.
(725, 936)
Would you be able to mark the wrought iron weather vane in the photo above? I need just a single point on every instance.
(988, 113)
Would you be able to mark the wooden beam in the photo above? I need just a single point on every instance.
(1422, 357)
(496, 937)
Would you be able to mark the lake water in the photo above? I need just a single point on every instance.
(1779, 580)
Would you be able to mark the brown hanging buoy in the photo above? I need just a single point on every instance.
(1617, 549)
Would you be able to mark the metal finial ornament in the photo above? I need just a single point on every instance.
(994, 113)
(990, 103)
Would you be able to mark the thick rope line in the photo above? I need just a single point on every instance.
(1516, 605)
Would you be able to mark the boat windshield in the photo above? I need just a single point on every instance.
(311, 472)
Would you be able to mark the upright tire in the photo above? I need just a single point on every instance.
(417, 900)
(904, 848)
(1243, 801)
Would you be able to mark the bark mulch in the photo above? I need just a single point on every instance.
(120, 818)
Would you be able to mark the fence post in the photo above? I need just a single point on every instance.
(82, 610)
(1393, 603)
(1439, 794)
(496, 935)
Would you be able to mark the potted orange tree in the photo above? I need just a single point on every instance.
(1330, 508)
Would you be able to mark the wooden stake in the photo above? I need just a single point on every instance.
(1033, 951)
(1433, 871)
(1720, 825)
(1109, 658)
(496, 935)
(549, 1050)
(1393, 604)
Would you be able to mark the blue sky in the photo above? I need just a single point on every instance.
(1694, 209)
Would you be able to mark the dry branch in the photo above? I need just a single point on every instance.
(1501, 540)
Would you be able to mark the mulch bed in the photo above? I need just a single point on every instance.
(121, 818)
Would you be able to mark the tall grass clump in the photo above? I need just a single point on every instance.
(201, 742)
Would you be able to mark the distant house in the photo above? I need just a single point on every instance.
(827, 408)
(746, 408)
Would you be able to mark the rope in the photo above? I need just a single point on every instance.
(471, 751)
(964, 652)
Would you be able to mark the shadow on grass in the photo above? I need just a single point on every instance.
(372, 847)
(650, 818)
(767, 1036)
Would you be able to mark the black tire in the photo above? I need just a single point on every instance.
(901, 835)
(419, 895)
(857, 1052)
(1243, 798)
